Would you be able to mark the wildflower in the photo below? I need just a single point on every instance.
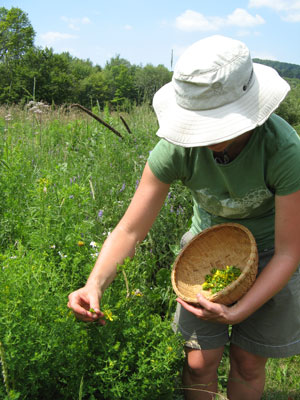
(123, 187)
(108, 315)
(100, 214)
(219, 279)
(93, 244)
(71, 197)
(62, 255)
(53, 246)
(94, 255)
(137, 292)
(179, 210)
(137, 184)
(80, 243)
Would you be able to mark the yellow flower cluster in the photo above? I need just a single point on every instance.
(220, 278)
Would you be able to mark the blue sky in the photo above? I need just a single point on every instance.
(147, 31)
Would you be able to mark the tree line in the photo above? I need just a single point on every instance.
(284, 69)
(28, 72)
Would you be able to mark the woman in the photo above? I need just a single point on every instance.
(241, 163)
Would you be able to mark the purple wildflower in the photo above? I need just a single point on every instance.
(123, 187)
(179, 210)
(100, 214)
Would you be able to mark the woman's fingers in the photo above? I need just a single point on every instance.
(85, 306)
(207, 310)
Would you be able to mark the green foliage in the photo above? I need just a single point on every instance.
(32, 73)
(64, 185)
(16, 34)
(67, 183)
(284, 69)
(149, 79)
(290, 107)
(48, 353)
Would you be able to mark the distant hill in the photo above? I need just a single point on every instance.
(286, 70)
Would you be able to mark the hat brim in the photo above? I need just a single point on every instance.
(189, 128)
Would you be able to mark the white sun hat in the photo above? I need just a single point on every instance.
(216, 94)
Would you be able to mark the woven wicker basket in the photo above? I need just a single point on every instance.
(216, 247)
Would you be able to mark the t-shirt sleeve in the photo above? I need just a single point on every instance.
(284, 166)
(166, 161)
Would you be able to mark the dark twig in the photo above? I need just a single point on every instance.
(98, 119)
(125, 124)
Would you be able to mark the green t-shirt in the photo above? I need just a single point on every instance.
(243, 190)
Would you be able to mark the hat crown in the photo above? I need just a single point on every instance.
(212, 72)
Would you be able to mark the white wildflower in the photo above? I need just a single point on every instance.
(62, 255)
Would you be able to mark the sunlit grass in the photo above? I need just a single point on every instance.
(65, 182)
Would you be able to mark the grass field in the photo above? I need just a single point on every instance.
(65, 182)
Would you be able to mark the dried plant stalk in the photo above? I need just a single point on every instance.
(4, 369)
(89, 112)
(125, 124)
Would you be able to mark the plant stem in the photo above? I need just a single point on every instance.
(4, 369)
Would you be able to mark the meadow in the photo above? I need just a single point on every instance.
(65, 182)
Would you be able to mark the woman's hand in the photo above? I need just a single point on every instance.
(210, 311)
(84, 303)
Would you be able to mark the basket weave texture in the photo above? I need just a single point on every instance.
(216, 247)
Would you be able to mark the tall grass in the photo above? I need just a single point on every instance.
(65, 182)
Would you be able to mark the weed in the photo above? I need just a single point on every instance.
(68, 183)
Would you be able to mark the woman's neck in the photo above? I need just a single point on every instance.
(233, 149)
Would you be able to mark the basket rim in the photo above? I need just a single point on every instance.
(251, 262)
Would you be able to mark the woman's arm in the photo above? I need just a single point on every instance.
(132, 228)
(273, 277)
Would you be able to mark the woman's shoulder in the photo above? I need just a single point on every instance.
(279, 132)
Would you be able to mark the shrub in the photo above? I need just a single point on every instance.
(48, 354)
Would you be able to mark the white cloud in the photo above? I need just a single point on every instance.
(51, 37)
(128, 27)
(242, 18)
(289, 9)
(294, 17)
(191, 21)
(278, 5)
(74, 23)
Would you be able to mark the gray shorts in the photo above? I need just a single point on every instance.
(272, 331)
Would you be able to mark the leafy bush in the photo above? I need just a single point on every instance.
(65, 182)
(48, 353)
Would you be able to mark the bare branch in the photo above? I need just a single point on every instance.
(98, 119)
(125, 124)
